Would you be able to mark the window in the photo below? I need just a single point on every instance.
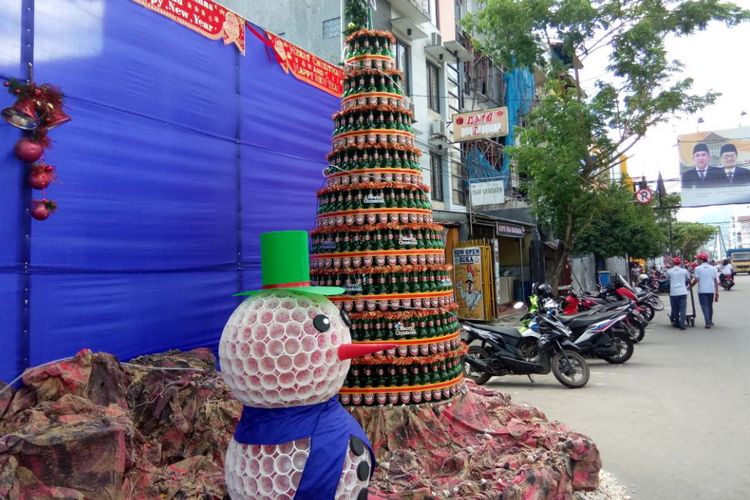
(458, 183)
(436, 175)
(332, 28)
(403, 64)
(433, 87)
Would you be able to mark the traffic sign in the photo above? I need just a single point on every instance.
(644, 196)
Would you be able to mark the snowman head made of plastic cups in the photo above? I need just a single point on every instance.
(288, 344)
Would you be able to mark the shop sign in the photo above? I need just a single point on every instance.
(487, 192)
(480, 124)
(509, 230)
(202, 16)
(308, 67)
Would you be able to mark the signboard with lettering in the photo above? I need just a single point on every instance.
(487, 192)
(467, 264)
(202, 16)
(509, 230)
(480, 124)
(308, 67)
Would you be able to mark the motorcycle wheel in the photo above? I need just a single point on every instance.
(656, 303)
(477, 352)
(641, 332)
(625, 346)
(567, 365)
(648, 312)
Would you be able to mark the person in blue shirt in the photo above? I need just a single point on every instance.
(678, 279)
(707, 279)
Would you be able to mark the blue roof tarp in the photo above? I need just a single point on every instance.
(180, 153)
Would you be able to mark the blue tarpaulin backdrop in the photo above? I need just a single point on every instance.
(180, 153)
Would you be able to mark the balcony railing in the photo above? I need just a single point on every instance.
(416, 10)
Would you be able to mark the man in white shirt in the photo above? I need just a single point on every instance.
(678, 279)
(708, 287)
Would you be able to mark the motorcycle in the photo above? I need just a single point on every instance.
(499, 352)
(634, 323)
(600, 334)
(648, 300)
(726, 281)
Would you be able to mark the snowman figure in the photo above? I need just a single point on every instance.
(285, 354)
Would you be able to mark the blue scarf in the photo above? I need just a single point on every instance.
(329, 427)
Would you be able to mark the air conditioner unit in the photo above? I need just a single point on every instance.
(436, 39)
(438, 127)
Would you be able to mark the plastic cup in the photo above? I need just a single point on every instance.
(298, 461)
(259, 349)
(267, 366)
(287, 380)
(269, 382)
(292, 345)
(308, 344)
(276, 330)
(284, 363)
(301, 361)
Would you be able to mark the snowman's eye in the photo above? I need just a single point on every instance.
(345, 317)
(321, 323)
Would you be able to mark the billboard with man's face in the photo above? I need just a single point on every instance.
(715, 167)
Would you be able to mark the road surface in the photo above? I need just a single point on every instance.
(674, 421)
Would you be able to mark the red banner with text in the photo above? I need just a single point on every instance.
(308, 67)
(203, 16)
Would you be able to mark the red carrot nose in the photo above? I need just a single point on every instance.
(348, 351)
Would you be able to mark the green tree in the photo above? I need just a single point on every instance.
(688, 237)
(573, 140)
(621, 227)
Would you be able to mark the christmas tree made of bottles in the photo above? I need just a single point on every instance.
(375, 237)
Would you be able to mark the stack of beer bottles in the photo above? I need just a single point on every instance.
(375, 237)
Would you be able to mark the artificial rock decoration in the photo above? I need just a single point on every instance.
(375, 237)
(285, 353)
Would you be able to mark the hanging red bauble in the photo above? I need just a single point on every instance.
(40, 176)
(41, 209)
(28, 150)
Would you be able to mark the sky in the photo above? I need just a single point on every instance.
(717, 61)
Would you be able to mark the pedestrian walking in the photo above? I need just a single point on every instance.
(707, 279)
(678, 280)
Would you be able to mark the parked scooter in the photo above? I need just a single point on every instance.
(499, 354)
(634, 323)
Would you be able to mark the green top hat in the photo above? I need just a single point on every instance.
(285, 264)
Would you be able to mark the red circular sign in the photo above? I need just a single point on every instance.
(643, 196)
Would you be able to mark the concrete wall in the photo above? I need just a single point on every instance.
(583, 273)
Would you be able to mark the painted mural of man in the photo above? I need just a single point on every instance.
(470, 295)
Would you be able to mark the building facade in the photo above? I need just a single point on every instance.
(443, 77)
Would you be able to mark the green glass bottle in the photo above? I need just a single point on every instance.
(410, 203)
(379, 284)
(431, 331)
(403, 376)
(391, 286)
(387, 159)
(378, 241)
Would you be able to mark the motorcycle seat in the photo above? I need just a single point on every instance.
(577, 321)
(506, 331)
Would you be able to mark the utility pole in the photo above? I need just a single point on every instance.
(661, 190)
